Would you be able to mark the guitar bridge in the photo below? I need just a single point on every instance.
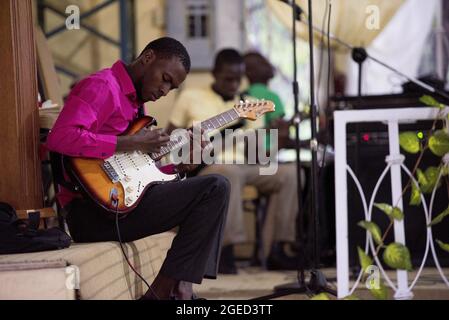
(110, 172)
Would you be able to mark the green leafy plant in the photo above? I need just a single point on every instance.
(439, 143)
(428, 179)
(396, 255)
(364, 259)
(392, 212)
(431, 102)
(380, 293)
(440, 217)
(373, 229)
(321, 296)
(415, 196)
(410, 142)
(443, 246)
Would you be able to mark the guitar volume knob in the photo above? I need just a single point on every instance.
(129, 189)
(127, 178)
(129, 199)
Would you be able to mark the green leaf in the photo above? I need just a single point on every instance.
(431, 102)
(444, 170)
(391, 212)
(428, 179)
(351, 297)
(415, 197)
(365, 260)
(439, 217)
(397, 256)
(397, 214)
(373, 229)
(444, 246)
(321, 296)
(380, 293)
(409, 141)
(439, 143)
(422, 179)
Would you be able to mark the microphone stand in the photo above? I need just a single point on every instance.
(317, 281)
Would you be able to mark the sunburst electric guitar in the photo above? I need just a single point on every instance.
(117, 183)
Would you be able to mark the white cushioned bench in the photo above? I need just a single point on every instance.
(103, 271)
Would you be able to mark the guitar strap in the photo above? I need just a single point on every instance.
(141, 111)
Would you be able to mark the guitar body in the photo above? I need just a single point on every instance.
(117, 183)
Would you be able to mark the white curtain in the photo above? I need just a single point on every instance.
(347, 16)
(400, 44)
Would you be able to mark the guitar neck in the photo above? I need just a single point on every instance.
(216, 122)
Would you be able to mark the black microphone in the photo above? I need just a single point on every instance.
(298, 9)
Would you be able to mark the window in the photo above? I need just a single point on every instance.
(198, 12)
(205, 26)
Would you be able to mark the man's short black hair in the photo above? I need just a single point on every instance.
(167, 47)
(253, 54)
(227, 56)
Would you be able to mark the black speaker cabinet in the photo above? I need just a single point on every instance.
(366, 156)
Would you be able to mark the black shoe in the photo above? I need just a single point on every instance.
(195, 297)
(227, 261)
(149, 295)
(279, 260)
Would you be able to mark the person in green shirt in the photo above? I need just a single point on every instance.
(259, 72)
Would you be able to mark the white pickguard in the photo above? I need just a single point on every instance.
(135, 171)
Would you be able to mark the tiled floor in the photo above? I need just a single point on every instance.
(252, 282)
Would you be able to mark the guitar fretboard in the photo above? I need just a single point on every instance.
(213, 123)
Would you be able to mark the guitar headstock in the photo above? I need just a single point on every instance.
(253, 109)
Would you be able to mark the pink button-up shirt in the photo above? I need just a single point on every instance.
(99, 108)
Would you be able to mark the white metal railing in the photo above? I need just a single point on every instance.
(392, 117)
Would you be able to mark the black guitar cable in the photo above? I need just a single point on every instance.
(126, 256)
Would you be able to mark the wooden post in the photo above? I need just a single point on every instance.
(20, 168)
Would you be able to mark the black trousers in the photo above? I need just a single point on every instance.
(197, 205)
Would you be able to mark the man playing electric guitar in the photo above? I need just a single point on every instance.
(98, 110)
